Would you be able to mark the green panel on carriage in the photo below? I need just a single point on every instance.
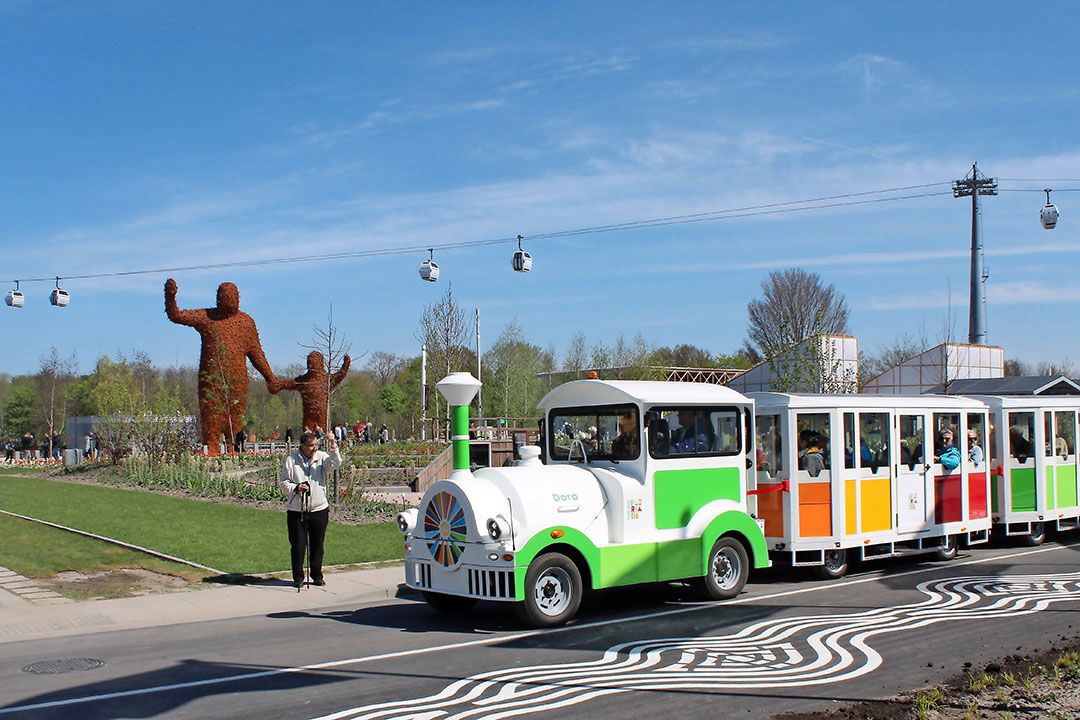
(678, 494)
(1066, 486)
(1022, 483)
(1050, 489)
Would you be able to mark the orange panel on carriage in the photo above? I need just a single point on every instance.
(948, 498)
(770, 506)
(815, 510)
(977, 496)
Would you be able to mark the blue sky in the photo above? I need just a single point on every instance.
(143, 135)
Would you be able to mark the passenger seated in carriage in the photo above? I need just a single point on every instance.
(948, 454)
(694, 435)
(627, 444)
(811, 457)
(1019, 445)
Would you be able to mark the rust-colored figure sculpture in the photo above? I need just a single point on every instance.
(313, 388)
(229, 339)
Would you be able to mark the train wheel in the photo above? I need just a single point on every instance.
(949, 550)
(449, 604)
(835, 565)
(727, 570)
(553, 591)
(1037, 536)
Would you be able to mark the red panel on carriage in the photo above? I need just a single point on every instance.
(948, 498)
(977, 495)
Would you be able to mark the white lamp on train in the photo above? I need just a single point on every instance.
(429, 269)
(1048, 216)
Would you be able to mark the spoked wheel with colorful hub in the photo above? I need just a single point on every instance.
(445, 530)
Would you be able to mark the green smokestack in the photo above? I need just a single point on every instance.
(459, 389)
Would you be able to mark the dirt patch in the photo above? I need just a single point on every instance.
(124, 582)
(1040, 686)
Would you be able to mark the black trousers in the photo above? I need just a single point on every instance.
(307, 529)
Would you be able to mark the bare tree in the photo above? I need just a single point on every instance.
(444, 328)
(385, 367)
(53, 378)
(577, 355)
(796, 305)
(903, 347)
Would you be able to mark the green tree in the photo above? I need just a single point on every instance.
(19, 410)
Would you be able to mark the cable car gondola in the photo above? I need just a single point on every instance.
(522, 261)
(59, 297)
(1049, 214)
(15, 298)
(429, 269)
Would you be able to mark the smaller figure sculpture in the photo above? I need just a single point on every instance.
(314, 387)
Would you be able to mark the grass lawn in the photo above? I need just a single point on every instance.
(39, 551)
(232, 538)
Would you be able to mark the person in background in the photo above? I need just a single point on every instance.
(289, 435)
(239, 440)
(304, 480)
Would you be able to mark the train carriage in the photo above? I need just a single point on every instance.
(844, 477)
(1034, 464)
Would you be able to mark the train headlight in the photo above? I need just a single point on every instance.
(406, 521)
(496, 528)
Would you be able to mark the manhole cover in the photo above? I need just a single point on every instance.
(67, 665)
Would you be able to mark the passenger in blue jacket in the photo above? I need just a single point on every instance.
(948, 454)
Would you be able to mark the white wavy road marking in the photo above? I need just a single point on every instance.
(780, 653)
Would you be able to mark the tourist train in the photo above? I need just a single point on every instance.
(640, 482)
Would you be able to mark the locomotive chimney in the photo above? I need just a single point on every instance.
(459, 389)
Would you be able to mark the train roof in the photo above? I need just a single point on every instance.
(641, 392)
(1030, 401)
(862, 400)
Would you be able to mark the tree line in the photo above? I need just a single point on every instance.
(386, 388)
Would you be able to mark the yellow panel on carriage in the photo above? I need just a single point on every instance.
(876, 505)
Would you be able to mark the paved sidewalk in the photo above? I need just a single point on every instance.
(23, 620)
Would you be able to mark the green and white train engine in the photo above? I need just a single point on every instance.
(644, 482)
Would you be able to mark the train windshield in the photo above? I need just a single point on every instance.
(598, 433)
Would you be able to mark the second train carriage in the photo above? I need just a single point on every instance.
(844, 477)
(1034, 464)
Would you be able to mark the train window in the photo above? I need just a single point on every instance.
(912, 451)
(770, 456)
(873, 440)
(976, 439)
(605, 433)
(814, 432)
(694, 432)
(1065, 439)
(1021, 434)
(849, 440)
(1048, 433)
(946, 427)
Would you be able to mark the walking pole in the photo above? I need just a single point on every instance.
(305, 503)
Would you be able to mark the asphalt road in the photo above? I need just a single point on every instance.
(790, 642)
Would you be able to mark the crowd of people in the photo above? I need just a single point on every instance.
(359, 433)
(27, 447)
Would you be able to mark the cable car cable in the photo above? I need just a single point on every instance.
(732, 213)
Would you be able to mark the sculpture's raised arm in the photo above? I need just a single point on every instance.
(193, 318)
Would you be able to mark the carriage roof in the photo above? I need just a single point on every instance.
(640, 392)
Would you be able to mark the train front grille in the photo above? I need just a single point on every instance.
(491, 583)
